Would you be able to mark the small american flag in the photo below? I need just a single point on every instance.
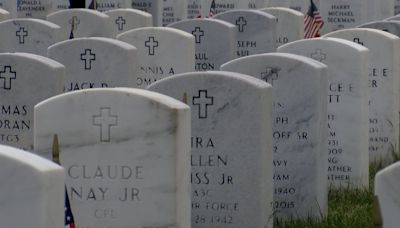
(69, 218)
(212, 9)
(313, 22)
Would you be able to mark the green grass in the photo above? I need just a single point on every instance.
(348, 208)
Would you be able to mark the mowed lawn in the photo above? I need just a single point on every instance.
(348, 208)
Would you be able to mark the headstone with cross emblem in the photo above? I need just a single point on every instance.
(9, 6)
(154, 7)
(25, 80)
(347, 100)
(174, 11)
(299, 86)
(215, 41)
(126, 152)
(256, 31)
(34, 9)
(384, 72)
(289, 26)
(104, 5)
(127, 19)
(28, 35)
(341, 14)
(4, 15)
(391, 25)
(193, 9)
(96, 63)
(231, 157)
(163, 52)
(386, 190)
(32, 188)
(77, 23)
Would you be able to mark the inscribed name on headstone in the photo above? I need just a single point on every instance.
(396, 7)
(154, 7)
(347, 99)
(28, 35)
(215, 41)
(301, 5)
(341, 14)
(10, 6)
(257, 4)
(299, 87)
(126, 153)
(193, 9)
(127, 19)
(213, 7)
(25, 80)
(379, 10)
(32, 190)
(279, 3)
(290, 24)
(34, 9)
(61, 4)
(76, 23)
(163, 52)
(256, 31)
(4, 15)
(174, 11)
(231, 163)
(104, 5)
(386, 189)
(384, 75)
(96, 63)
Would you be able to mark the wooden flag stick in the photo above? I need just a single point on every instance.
(184, 99)
(377, 216)
(56, 149)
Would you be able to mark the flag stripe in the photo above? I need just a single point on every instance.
(313, 22)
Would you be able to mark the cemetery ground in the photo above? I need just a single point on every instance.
(347, 208)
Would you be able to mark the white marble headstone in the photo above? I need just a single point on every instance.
(347, 99)
(28, 35)
(215, 41)
(25, 80)
(396, 7)
(231, 147)
(126, 153)
(279, 3)
(391, 26)
(299, 86)
(61, 4)
(300, 5)
(174, 11)
(34, 9)
(387, 190)
(257, 4)
(209, 9)
(96, 63)
(32, 190)
(341, 14)
(256, 31)
(127, 19)
(379, 10)
(4, 15)
(154, 7)
(104, 5)
(193, 9)
(290, 24)
(384, 73)
(10, 6)
(76, 23)
(162, 52)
